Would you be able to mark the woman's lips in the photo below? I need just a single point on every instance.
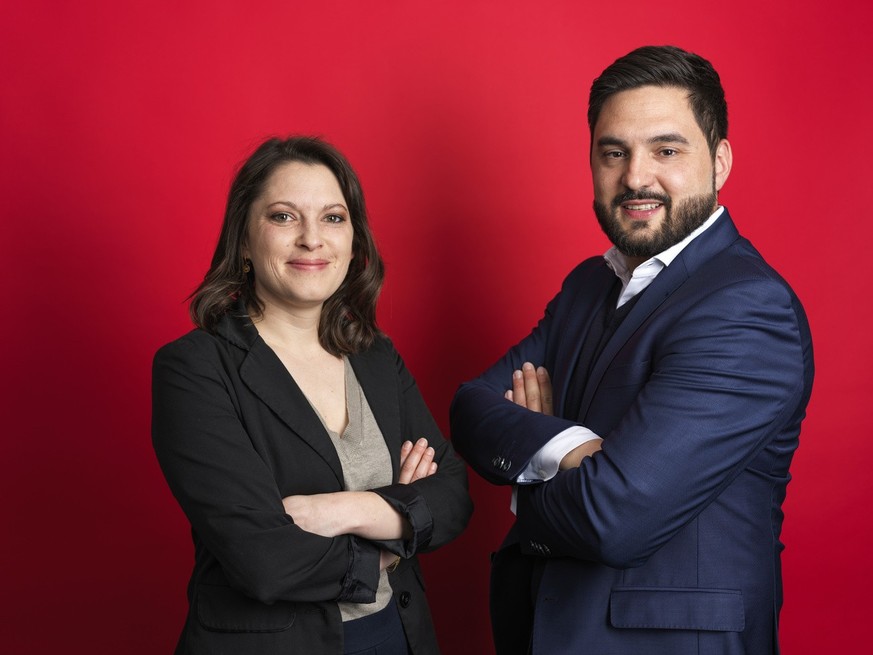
(308, 264)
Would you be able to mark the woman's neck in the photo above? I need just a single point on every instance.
(290, 330)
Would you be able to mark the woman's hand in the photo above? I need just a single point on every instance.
(388, 560)
(532, 388)
(317, 513)
(416, 461)
(362, 513)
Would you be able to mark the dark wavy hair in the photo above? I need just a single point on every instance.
(666, 66)
(348, 318)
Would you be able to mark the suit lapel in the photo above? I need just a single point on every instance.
(666, 283)
(701, 250)
(582, 310)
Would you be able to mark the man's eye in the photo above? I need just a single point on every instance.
(669, 152)
(613, 154)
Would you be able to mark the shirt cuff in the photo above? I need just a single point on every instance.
(544, 464)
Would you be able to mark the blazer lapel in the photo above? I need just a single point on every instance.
(268, 379)
(376, 375)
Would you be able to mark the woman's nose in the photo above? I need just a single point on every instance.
(309, 236)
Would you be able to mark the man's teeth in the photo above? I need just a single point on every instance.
(643, 208)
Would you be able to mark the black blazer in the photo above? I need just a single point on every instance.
(234, 435)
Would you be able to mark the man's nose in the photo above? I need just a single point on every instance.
(639, 172)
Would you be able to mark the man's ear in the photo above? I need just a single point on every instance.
(724, 159)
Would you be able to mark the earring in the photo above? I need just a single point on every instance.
(246, 266)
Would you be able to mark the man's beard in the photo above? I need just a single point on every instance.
(678, 222)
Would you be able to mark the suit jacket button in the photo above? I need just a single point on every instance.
(404, 599)
(497, 463)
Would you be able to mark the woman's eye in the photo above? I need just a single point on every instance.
(281, 217)
(334, 218)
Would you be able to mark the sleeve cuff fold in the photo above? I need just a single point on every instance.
(362, 576)
(413, 507)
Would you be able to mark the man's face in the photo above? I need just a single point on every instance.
(655, 179)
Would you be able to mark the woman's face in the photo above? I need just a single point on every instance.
(299, 237)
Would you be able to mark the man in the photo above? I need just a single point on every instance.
(690, 358)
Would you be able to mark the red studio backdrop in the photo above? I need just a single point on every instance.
(122, 124)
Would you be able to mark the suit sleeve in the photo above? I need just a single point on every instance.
(497, 437)
(229, 493)
(437, 507)
(726, 380)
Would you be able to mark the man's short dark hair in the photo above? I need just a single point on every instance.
(666, 66)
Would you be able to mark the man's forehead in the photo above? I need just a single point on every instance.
(647, 112)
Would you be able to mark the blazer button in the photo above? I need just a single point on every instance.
(404, 599)
(497, 463)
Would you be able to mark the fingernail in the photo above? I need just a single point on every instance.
(421, 442)
(541, 370)
(430, 452)
(516, 374)
(527, 366)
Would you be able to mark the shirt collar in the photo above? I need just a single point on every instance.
(616, 261)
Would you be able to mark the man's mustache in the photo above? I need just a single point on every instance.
(641, 195)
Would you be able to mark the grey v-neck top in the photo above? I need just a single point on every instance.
(366, 464)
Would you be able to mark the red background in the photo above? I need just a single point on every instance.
(121, 124)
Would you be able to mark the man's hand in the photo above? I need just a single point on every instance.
(575, 456)
(532, 388)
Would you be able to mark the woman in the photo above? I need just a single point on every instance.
(291, 433)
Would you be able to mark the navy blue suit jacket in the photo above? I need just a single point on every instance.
(667, 541)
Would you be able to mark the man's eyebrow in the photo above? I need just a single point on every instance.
(610, 141)
(671, 137)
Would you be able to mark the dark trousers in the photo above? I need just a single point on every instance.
(512, 605)
(378, 634)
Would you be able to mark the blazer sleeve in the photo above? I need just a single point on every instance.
(437, 507)
(229, 494)
(497, 437)
(728, 378)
